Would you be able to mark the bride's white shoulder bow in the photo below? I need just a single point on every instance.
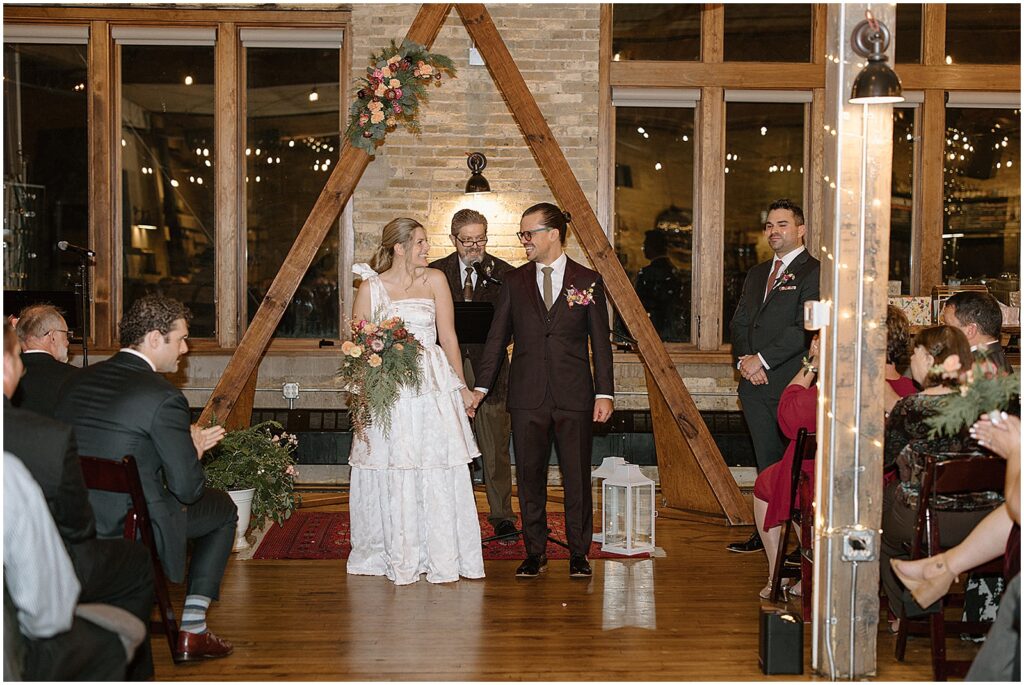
(363, 270)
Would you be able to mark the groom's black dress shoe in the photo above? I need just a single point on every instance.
(505, 529)
(753, 544)
(579, 567)
(534, 565)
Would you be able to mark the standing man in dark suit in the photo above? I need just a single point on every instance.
(978, 316)
(768, 337)
(492, 425)
(124, 406)
(44, 342)
(116, 572)
(555, 310)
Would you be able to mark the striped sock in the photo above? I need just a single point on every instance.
(193, 617)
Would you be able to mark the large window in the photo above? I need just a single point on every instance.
(908, 33)
(981, 235)
(654, 209)
(656, 32)
(291, 146)
(979, 33)
(168, 162)
(764, 162)
(46, 152)
(902, 205)
(748, 38)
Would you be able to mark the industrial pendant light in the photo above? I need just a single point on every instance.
(477, 183)
(877, 83)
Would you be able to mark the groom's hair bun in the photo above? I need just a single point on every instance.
(552, 216)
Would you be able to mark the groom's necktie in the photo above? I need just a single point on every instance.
(771, 279)
(548, 298)
(467, 288)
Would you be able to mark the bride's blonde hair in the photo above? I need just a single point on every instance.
(396, 232)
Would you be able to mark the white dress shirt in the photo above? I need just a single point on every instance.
(37, 568)
(557, 279)
(462, 274)
(139, 355)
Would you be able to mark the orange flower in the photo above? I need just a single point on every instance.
(347, 346)
(375, 360)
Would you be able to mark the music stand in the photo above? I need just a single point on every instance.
(473, 322)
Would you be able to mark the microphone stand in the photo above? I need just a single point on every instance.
(83, 272)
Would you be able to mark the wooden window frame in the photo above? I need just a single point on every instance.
(104, 156)
(713, 75)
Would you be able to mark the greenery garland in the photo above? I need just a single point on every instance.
(391, 93)
(981, 390)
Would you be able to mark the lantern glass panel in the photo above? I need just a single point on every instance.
(596, 487)
(643, 519)
(614, 515)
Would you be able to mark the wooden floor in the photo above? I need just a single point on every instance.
(691, 615)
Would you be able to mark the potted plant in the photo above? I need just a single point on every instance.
(255, 466)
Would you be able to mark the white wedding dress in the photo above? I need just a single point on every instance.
(411, 500)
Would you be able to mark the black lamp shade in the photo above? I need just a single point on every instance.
(477, 184)
(876, 84)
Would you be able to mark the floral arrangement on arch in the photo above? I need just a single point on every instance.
(258, 457)
(983, 389)
(392, 91)
(379, 360)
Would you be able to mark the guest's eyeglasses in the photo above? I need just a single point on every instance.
(527, 236)
(479, 242)
(65, 331)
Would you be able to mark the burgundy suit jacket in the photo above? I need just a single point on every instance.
(553, 348)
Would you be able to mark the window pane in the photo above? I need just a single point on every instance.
(981, 236)
(167, 177)
(654, 211)
(46, 152)
(768, 33)
(908, 33)
(764, 162)
(292, 143)
(656, 32)
(901, 213)
(983, 33)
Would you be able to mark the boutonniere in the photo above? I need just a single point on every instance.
(579, 297)
(786, 278)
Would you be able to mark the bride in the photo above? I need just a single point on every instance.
(411, 500)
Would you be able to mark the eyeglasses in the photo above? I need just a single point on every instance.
(527, 236)
(479, 242)
(59, 330)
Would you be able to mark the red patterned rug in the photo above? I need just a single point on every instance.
(325, 535)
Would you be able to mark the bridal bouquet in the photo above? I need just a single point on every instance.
(379, 360)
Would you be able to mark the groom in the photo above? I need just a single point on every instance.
(552, 307)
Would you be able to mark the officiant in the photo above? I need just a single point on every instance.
(475, 276)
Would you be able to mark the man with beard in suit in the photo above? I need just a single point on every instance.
(124, 406)
(44, 343)
(116, 572)
(555, 311)
(978, 316)
(768, 336)
(492, 425)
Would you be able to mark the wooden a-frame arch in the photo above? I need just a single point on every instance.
(695, 481)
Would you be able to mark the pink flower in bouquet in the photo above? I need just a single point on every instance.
(425, 68)
(377, 345)
(375, 360)
(370, 328)
(397, 109)
(951, 366)
(389, 323)
(398, 93)
(378, 74)
(394, 83)
(291, 470)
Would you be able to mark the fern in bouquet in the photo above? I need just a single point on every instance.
(982, 389)
(379, 360)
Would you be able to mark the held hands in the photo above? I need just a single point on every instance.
(603, 408)
(469, 401)
(751, 369)
(206, 438)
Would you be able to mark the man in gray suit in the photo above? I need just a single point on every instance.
(768, 337)
(492, 425)
(124, 406)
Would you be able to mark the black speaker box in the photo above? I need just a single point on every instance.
(781, 642)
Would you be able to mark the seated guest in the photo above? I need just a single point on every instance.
(939, 353)
(897, 350)
(40, 583)
(44, 343)
(772, 489)
(124, 406)
(116, 572)
(979, 318)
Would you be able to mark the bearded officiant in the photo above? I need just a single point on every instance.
(475, 276)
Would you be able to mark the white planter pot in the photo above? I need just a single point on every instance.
(242, 500)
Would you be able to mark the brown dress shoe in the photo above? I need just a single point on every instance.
(193, 646)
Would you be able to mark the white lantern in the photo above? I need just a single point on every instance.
(627, 519)
(597, 476)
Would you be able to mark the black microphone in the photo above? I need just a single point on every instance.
(485, 274)
(68, 247)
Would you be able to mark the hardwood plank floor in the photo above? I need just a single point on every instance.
(691, 615)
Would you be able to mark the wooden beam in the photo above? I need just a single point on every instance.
(304, 16)
(709, 238)
(926, 243)
(993, 77)
(743, 75)
(336, 193)
(230, 184)
(605, 127)
(685, 419)
(101, 220)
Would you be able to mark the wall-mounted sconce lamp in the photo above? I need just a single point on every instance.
(477, 183)
(877, 83)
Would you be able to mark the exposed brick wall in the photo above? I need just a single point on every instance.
(556, 49)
